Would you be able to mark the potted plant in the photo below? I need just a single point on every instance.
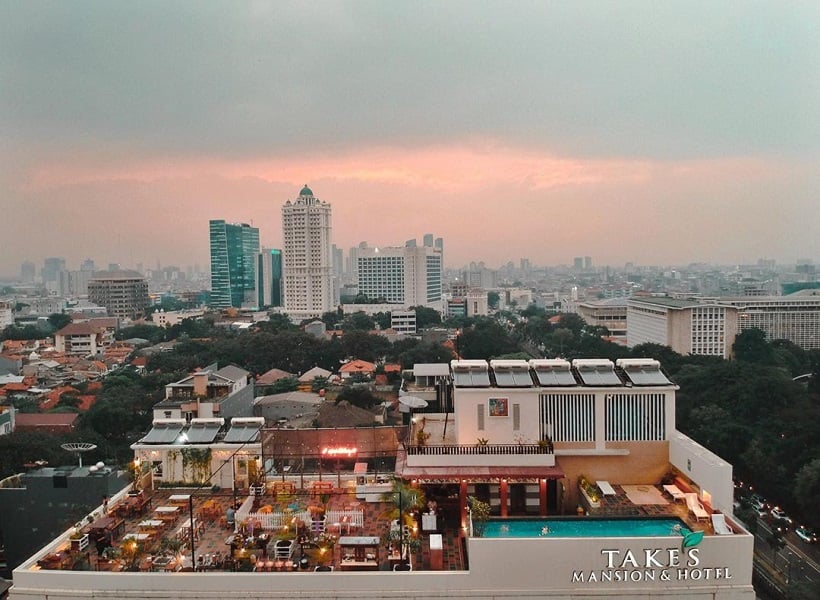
(482, 445)
(479, 513)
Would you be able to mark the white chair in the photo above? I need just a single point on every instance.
(695, 507)
(720, 525)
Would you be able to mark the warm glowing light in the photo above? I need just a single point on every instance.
(340, 451)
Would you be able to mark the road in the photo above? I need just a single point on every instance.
(796, 562)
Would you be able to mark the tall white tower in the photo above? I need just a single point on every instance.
(307, 257)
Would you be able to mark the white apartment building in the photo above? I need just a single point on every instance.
(686, 326)
(6, 314)
(795, 317)
(408, 275)
(307, 257)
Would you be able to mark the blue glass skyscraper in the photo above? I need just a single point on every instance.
(234, 248)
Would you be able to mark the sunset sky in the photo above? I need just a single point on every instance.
(651, 132)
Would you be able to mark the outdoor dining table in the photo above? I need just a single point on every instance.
(137, 537)
(167, 513)
(106, 525)
(151, 524)
(179, 499)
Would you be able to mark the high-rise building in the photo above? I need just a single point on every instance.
(307, 256)
(51, 267)
(124, 294)
(269, 277)
(234, 253)
(428, 239)
(407, 275)
(27, 272)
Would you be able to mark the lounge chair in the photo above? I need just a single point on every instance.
(674, 491)
(695, 507)
(720, 525)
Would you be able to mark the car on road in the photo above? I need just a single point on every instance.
(757, 502)
(778, 514)
(806, 534)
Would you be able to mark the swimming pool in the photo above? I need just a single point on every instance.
(584, 527)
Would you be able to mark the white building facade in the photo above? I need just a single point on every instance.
(408, 275)
(307, 259)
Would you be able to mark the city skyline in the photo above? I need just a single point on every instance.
(630, 132)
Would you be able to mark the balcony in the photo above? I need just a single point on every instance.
(512, 455)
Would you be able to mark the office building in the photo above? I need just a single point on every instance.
(407, 275)
(234, 253)
(609, 313)
(51, 267)
(686, 326)
(307, 257)
(27, 272)
(124, 294)
(795, 317)
(269, 277)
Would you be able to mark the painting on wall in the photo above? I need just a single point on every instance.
(499, 407)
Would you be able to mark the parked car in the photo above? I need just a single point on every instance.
(806, 534)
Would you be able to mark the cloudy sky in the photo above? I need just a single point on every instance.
(651, 132)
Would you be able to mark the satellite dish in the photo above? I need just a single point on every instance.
(413, 401)
(78, 448)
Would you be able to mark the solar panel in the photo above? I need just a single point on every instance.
(598, 376)
(202, 433)
(504, 378)
(239, 434)
(462, 379)
(646, 376)
(480, 378)
(164, 433)
(555, 378)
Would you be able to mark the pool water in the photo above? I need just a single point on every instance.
(584, 527)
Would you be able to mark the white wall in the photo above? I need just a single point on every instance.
(712, 474)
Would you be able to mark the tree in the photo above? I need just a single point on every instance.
(358, 396)
(383, 319)
(486, 339)
(59, 320)
(281, 386)
(426, 317)
(359, 321)
(807, 490)
(493, 299)
(751, 346)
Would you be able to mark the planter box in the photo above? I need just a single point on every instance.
(590, 505)
(79, 544)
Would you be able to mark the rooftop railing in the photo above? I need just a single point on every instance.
(476, 449)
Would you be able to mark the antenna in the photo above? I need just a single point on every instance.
(78, 448)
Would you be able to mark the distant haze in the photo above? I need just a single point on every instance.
(651, 132)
